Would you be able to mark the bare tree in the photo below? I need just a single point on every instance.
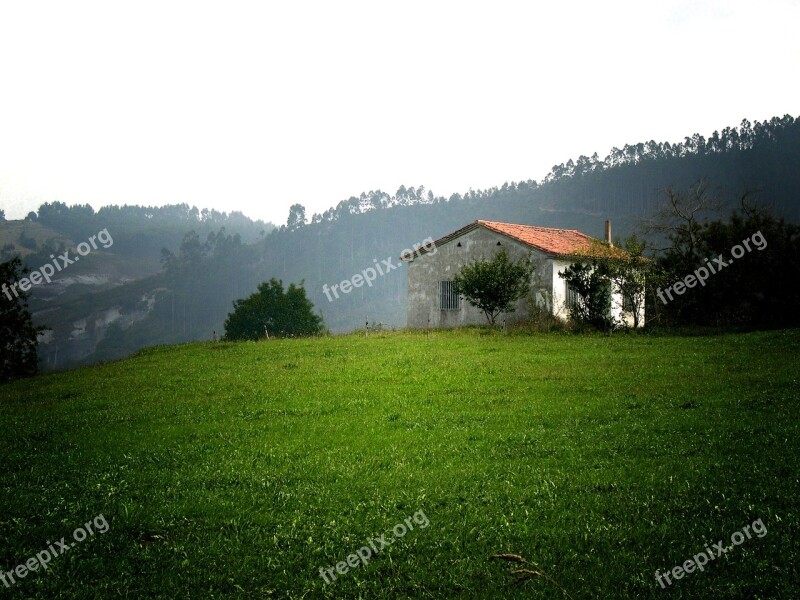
(680, 218)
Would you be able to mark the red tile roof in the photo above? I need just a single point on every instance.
(559, 242)
(550, 240)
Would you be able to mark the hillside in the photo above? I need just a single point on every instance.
(191, 302)
(11, 232)
(625, 187)
(241, 470)
(115, 285)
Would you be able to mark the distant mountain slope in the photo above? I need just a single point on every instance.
(113, 283)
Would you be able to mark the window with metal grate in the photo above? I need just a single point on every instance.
(448, 299)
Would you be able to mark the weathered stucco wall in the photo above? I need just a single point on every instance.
(426, 271)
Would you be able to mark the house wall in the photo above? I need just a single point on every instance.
(426, 271)
(560, 297)
(559, 287)
(627, 318)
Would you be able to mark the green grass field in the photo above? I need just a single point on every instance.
(238, 470)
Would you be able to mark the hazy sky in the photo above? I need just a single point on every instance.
(254, 106)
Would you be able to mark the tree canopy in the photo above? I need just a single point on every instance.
(606, 269)
(591, 305)
(762, 286)
(297, 217)
(493, 286)
(282, 314)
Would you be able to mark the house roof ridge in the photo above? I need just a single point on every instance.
(481, 221)
(555, 241)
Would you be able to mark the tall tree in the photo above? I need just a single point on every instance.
(680, 218)
(297, 217)
(18, 336)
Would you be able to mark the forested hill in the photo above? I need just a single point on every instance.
(212, 268)
(754, 156)
(138, 232)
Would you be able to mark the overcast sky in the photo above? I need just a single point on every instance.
(254, 106)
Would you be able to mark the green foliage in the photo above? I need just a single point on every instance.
(143, 230)
(495, 285)
(628, 273)
(44, 250)
(283, 314)
(7, 252)
(237, 470)
(26, 241)
(18, 336)
(625, 172)
(592, 306)
(297, 217)
(759, 289)
(540, 316)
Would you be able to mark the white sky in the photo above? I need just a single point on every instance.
(254, 106)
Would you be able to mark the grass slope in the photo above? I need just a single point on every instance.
(238, 470)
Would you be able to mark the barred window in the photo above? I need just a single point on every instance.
(448, 299)
(573, 298)
(627, 303)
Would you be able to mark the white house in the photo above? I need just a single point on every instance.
(431, 302)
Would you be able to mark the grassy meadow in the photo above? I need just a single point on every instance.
(238, 470)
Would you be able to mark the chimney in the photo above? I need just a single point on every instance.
(608, 233)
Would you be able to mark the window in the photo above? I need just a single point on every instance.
(448, 299)
(627, 303)
(572, 296)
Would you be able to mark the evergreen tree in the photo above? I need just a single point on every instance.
(282, 314)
